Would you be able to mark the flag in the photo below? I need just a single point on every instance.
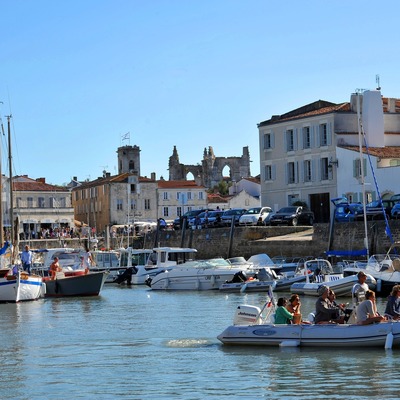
(127, 136)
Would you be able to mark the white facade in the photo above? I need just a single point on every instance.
(309, 155)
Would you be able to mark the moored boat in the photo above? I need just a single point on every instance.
(75, 283)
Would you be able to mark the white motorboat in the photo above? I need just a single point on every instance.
(384, 268)
(107, 261)
(263, 279)
(254, 326)
(325, 275)
(198, 275)
(142, 264)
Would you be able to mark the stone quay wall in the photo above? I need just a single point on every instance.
(247, 241)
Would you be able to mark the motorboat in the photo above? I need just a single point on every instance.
(142, 264)
(384, 268)
(198, 275)
(77, 283)
(255, 326)
(263, 279)
(324, 274)
(107, 260)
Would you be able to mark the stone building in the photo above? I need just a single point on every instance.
(210, 172)
(312, 154)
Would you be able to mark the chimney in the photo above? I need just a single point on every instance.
(391, 105)
(75, 178)
(153, 176)
(41, 180)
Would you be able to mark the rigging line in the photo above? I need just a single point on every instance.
(387, 229)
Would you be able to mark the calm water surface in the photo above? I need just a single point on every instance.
(133, 343)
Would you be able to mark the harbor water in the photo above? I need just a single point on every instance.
(134, 343)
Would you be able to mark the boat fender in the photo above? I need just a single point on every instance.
(389, 340)
(379, 285)
(289, 343)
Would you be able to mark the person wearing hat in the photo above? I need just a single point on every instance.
(325, 311)
(359, 288)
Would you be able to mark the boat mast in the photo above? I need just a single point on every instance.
(362, 173)
(1, 192)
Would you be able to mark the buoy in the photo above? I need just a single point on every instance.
(389, 340)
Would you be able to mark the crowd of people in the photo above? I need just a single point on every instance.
(328, 311)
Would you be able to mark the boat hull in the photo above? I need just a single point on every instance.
(375, 335)
(80, 285)
(21, 287)
(341, 287)
(249, 286)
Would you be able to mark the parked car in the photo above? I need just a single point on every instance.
(374, 209)
(293, 215)
(236, 213)
(207, 219)
(395, 211)
(187, 216)
(349, 212)
(256, 216)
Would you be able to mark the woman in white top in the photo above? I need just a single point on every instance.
(367, 312)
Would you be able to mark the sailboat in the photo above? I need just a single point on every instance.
(15, 285)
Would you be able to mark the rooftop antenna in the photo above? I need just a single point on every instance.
(104, 170)
(378, 82)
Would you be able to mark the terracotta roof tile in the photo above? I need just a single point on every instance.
(22, 183)
(178, 184)
(381, 152)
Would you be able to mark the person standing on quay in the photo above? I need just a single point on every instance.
(26, 259)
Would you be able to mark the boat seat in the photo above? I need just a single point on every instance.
(319, 278)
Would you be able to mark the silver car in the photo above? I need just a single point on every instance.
(256, 215)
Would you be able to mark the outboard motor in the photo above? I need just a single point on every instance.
(238, 277)
(126, 276)
(148, 282)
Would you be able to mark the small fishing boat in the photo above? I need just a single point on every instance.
(16, 286)
(252, 327)
(325, 275)
(75, 283)
(142, 264)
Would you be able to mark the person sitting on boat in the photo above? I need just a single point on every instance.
(325, 312)
(359, 288)
(282, 315)
(87, 260)
(26, 259)
(293, 307)
(392, 310)
(54, 268)
(340, 319)
(366, 311)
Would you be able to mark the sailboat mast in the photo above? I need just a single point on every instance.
(11, 181)
(1, 193)
(362, 174)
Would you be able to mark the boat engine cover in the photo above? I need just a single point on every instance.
(247, 315)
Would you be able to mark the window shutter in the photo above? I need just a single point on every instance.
(273, 170)
(272, 140)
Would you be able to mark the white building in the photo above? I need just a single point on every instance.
(311, 154)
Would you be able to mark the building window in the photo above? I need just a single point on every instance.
(290, 140)
(323, 135)
(189, 195)
(268, 141)
(178, 195)
(201, 196)
(165, 195)
(133, 188)
(357, 168)
(179, 211)
(165, 211)
(19, 203)
(62, 202)
(268, 173)
(394, 162)
(30, 202)
(147, 204)
(307, 171)
(291, 172)
(324, 169)
(119, 204)
(133, 204)
(306, 137)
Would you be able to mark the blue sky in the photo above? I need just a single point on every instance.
(77, 75)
